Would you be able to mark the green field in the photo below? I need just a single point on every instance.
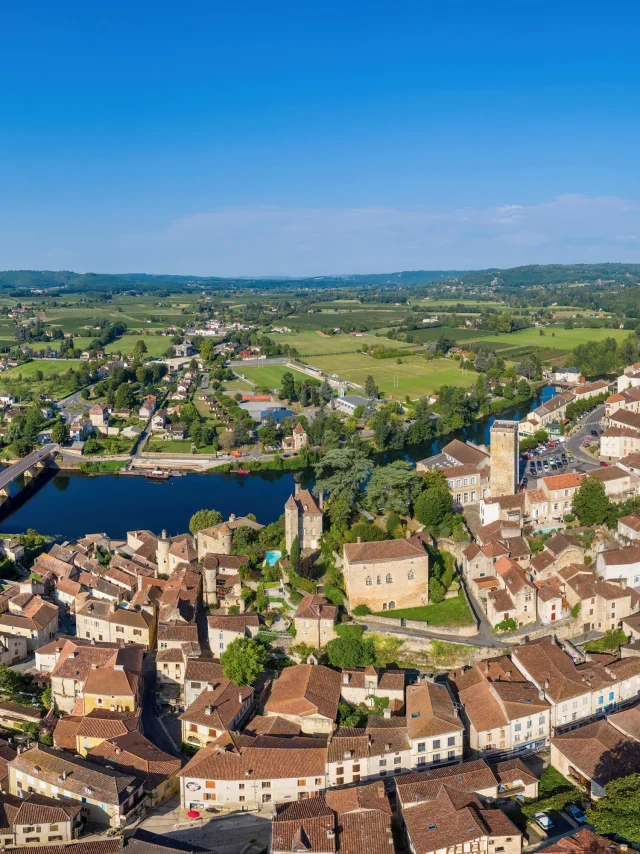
(54, 382)
(555, 337)
(451, 612)
(313, 343)
(460, 336)
(269, 376)
(415, 376)
(373, 319)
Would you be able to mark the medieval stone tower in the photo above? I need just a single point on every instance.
(291, 520)
(162, 559)
(504, 449)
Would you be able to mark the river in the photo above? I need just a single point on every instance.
(67, 506)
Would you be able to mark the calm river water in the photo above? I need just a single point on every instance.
(68, 506)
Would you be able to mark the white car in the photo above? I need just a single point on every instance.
(543, 820)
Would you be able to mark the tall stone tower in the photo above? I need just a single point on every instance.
(162, 559)
(225, 539)
(505, 449)
(291, 520)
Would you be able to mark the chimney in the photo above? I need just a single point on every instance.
(297, 491)
(359, 539)
(541, 694)
(546, 684)
(240, 697)
(387, 712)
(623, 583)
(345, 677)
(321, 501)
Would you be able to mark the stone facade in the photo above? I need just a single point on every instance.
(504, 449)
(302, 519)
(386, 575)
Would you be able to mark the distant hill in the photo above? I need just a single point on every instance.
(513, 277)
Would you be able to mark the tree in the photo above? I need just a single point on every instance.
(370, 387)
(432, 506)
(436, 591)
(618, 812)
(288, 386)
(325, 391)
(60, 432)
(341, 472)
(10, 680)
(204, 519)
(393, 488)
(125, 397)
(241, 435)
(294, 553)
(351, 651)
(243, 661)
(306, 568)
(139, 349)
(590, 503)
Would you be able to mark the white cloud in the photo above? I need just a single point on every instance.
(276, 240)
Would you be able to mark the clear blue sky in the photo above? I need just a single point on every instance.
(244, 138)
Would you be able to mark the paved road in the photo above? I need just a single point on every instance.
(593, 421)
(77, 404)
(11, 472)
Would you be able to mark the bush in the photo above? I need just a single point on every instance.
(367, 533)
(361, 610)
(436, 591)
(508, 625)
(393, 521)
(569, 517)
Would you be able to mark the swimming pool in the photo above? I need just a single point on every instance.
(271, 558)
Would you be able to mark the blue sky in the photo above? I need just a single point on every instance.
(304, 138)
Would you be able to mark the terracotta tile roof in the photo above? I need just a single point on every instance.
(305, 689)
(384, 550)
(271, 725)
(464, 452)
(495, 529)
(563, 481)
(348, 742)
(175, 631)
(513, 770)
(624, 416)
(430, 711)
(384, 739)
(622, 557)
(550, 667)
(218, 706)
(541, 561)
(82, 777)
(203, 670)
(10, 708)
(502, 602)
(134, 754)
(584, 842)
(621, 433)
(535, 496)
(316, 607)
(559, 543)
(38, 809)
(233, 622)
(97, 846)
(71, 588)
(609, 473)
(261, 758)
(599, 751)
(627, 721)
(216, 561)
(549, 589)
(632, 522)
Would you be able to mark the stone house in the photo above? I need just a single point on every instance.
(622, 563)
(99, 415)
(32, 618)
(382, 749)
(222, 706)
(386, 575)
(619, 484)
(298, 439)
(13, 648)
(308, 696)
(602, 604)
(302, 519)
(629, 528)
(81, 733)
(100, 620)
(148, 407)
(370, 683)
(315, 621)
(560, 489)
(502, 712)
(218, 539)
(200, 674)
(223, 629)
(106, 797)
(551, 602)
(37, 819)
(159, 420)
(253, 773)
(434, 728)
(514, 596)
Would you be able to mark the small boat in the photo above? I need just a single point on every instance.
(158, 474)
(243, 471)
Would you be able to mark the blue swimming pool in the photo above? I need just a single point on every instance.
(272, 557)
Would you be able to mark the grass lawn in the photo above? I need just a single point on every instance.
(267, 375)
(451, 612)
(432, 333)
(313, 343)
(555, 337)
(169, 446)
(156, 344)
(54, 381)
(415, 376)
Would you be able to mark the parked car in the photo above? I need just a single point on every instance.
(603, 464)
(594, 432)
(576, 814)
(543, 820)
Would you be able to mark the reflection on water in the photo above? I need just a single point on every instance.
(75, 505)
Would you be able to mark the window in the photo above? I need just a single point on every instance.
(367, 580)
(397, 760)
(379, 580)
(266, 784)
(318, 781)
(451, 740)
(356, 766)
(436, 757)
(241, 786)
(242, 799)
(210, 784)
(266, 799)
(436, 743)
(302, 782)
(411, 575)
(339, 781)
(421, 747)
(196, 685)
(452, 754)
(389, 578)
(383, 763)
(208, 796)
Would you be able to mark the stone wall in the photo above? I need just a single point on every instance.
(394, 623)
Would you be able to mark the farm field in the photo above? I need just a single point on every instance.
(460, 336)
(312, 343)
(415, 376)
(374, 319)
(268, 375)
(563, 339)
(54, 381)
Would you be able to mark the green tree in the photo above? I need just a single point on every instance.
(436, 591)
(432, 505)
(243, 661)
(393, 488)
(590, 503)
(204, 519)
(60, 432)
(288, 386)
(125, 397)
(351, 651)
(294, 554)
(241, 435)
(370, 387)
(341, 472)
(139, 349)
(618, 812)
(10, 681)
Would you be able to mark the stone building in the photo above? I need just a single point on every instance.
(315, 620)
(218, 539)
(308, 696)
(386, 575)
(504, 449)
(302, 519)
(298, 439)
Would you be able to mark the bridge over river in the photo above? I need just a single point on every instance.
(28, 466)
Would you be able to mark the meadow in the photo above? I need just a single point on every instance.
(22, 382)
(555, 337)
(373, 319)
(269, 376)
(314, 343)
(460, 336)
(414, 377)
